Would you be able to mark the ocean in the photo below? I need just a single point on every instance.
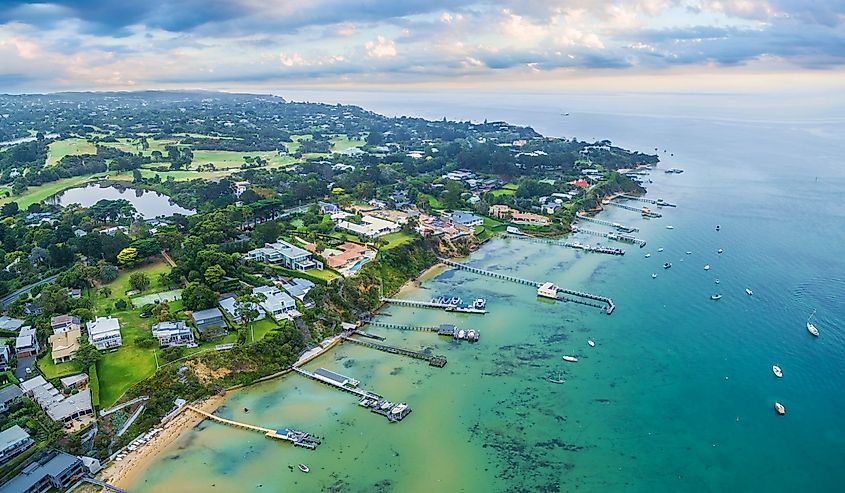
(677, 394)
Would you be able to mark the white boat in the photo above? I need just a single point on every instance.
(689, 253)
(303, 468)
(777, 371)
(670, 227)
(717, 281)
(591, 343)
(779, 408)
(716, 297)
(571, 359)
(557, 378)
(547, 290)
(810, 327)
(647, 255)
(654, 275)
(719, 250)
(748, 291)
(707, 267)
(660, 249)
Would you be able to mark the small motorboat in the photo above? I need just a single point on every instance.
(719, 251)
(717, 281)
(571, 359)
(716, 297)
(670, 227)
(718, 227)
(810, 327)
(654, 275)
(647, 255)
(779, 408)
(246, 409)
(706, 266)
(748, 291)
(666, 265)
(777, 371)
(689, 253)
(591, 343)
(660, 249)
(303, 468)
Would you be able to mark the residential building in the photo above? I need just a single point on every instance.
(298, 288)
(65, 344)
(52, 470)
(328, 208)
(5, 356)
(10, 324)
(240, 187)
(347, 253)
(210, 323)
(104, 333)
(277, 303)
(26, 343)
(370, 227)
(517, 217)
(59, 408)
(8, 395)
(230, 306)
(12, 442)
(176, 333)
(282, 252)
(64, 323)
(78, 381)
(466, 219)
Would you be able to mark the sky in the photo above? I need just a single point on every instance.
(271, 44)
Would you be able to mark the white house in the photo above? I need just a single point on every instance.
(104, 333)
(370, 227)
(277, 303)
(230, 306)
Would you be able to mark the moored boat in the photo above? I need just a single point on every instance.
(660, 249)
(591, 343)
(670, 227)
(748, 291)
(716, 297)
(706, 266)
(810, 327)
(666, 265)
(571, 359)
(647, 255)
(779, 408)
(719, 250)
(557, 378)
(303, 468)
(654, 275)
(777, 371)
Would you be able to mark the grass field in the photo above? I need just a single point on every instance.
(396, 239)
(53, 370)
(507, 189)
(68, 147)
(41, 192)
(433, 201)
(489, 228)
(235, 159)
(342, 143)
(263, 327)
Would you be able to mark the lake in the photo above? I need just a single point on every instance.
(148, 203)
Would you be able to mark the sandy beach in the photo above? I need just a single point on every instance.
(426, 275)
(126, 472)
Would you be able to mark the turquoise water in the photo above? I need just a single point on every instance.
(677, 395)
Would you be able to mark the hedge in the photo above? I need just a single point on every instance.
(94, 384)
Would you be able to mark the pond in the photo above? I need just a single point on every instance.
(148, 203)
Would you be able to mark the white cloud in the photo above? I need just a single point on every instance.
(381, 47)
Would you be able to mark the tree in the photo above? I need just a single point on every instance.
(86, 355)
(127, 256)
(107, 273)
(163, 279)
(213, 274)
(9, 209)
(145, 341)
(121, 304)
(53, 299)
(172, 353)
(452, 196)
(139, 281)
(136, 176)
(161, 312)
(246, 309)
(105, 292)
(198, 296)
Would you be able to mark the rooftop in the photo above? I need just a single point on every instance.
(12, 436)
(208, 314)
(102, 325)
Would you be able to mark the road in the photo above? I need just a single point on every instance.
(13, 296)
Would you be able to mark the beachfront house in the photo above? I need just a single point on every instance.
(176, 333)
(277, 303)
(13, 441)
(230, 306)
(104, 333)
(286, 254)
(210, 323)
(26, 344)
(64, 345)
(52, 470)
(466, 219)
(60, 408)
(370, 227)
(64, 323)
(74, 382)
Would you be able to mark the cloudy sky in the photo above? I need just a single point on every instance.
(237, 44)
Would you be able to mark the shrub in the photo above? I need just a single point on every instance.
(94, 385)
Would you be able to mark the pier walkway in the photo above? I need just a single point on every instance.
(609, 305)
(447, 330)
(617, 226)
(635, 209)
(298, 438)
(611, 236)
(658, 202)
(433, 360)
(394, 412)
(431, 304)
(568, 244)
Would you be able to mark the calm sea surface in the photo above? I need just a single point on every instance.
(677, 395)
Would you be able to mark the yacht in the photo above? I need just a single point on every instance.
(706, 266)
(779, 408)
(716, 297)
(660, 249)
(654, 275)
(591, 343)
(571, 359)
(647, 255)
(689, 253)
(303, 468)
(666, 265)
(776, 369)
(670, 227)
(810, 327)
(748, 291)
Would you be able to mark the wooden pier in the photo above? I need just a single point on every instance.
(658, 202)
(609, 305)
(635, 209)
(433, 360)
(431, 304)
(298, 438)
(448, 330)
(617, 226)
(611, 236)
(568, 244)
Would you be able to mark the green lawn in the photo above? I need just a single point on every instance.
(53, 370)
(507, 189)
(433, 201)
(68, 147)
(343, 142)
(396, 239)
(120, 286)
(489, 228)
(33, 195)
(263, 327)
(235, 159)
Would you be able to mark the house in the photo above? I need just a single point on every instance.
(52, 471)
(230, 306)
(114, 230)
(517, 217)
(13, 441)
(240, 187)
(176, 333)
(10, 324)
(8, 395)
(277, 303)
(466, 219)
(104, 333)
(78, 381)
(370, 227)
(64, 323)
(5, 356)
(328, 208)
(298, 288)
(26, 343)
(288, 255)
(580, 182)
(347, 253)
(210, 323)
(60, 408)
(65, 344)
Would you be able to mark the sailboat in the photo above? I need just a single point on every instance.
(557, 378)
(810, 327)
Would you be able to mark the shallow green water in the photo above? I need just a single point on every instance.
(677, 395)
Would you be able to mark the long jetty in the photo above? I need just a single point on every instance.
(611, 236)
(658, 202)
(569, 244)
(617, 226)
(609, 305)
(635, 209)
(433, 360)
(433, 304)
(297, 438)
(447, 330)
